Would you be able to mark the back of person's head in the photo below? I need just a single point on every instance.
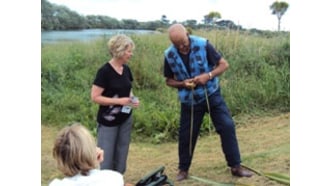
(118, 44)
(75, 150)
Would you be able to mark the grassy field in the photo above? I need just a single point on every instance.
(264, 144)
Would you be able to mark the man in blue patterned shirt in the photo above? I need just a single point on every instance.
(192, 65)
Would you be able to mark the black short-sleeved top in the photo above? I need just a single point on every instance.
(115, 85)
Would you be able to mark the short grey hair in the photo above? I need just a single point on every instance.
(118, 44)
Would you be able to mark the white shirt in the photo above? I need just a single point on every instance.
(96, 177)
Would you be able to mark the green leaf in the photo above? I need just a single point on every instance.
(278, 179)
(216, 183)
(282, 176)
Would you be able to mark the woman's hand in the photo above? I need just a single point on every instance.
(99, 154)
(135, 102)
(124, 101)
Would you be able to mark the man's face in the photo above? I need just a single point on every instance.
(181, 42)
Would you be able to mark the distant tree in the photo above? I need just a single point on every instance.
(227, 24)
(57, 17)
(46, 15)
(68, 19)
(174, 22)
(164, 20)
(190, 23)
(211, 17)
(152, 25)
(130, 23)
(278, 9)
(207, 19)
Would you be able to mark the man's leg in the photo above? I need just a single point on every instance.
(225, 127)
(186, 143)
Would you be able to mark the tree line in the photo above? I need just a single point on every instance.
(59, 17)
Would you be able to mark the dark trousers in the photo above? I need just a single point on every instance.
(115, 143)
(222, 122)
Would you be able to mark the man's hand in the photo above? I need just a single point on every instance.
(189, 83)
(201, 79)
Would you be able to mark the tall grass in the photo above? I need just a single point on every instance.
(258, 80)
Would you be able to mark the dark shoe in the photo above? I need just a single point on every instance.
(182, 175)
(240, 172)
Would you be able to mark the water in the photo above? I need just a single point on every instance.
(86, 35)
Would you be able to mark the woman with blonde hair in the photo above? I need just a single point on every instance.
(78, 158)
(112, 91)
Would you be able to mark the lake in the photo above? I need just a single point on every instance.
(86, 34)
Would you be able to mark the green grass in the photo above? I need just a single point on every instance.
(258, 79)
(264, 144)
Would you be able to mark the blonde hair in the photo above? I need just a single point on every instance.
(118, 44)
(75, 150)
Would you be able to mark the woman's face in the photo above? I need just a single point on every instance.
(128, 53)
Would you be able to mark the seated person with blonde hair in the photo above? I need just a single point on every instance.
(78, 158)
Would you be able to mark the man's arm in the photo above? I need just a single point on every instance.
(187, 83)
(221, 67)
(172, 82)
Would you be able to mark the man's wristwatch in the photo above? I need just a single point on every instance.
(210, 75)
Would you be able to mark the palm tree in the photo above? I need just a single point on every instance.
(278, 9)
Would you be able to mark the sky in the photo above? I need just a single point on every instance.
(247, 13)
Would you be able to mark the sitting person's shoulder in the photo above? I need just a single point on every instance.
(107, 176)
(95, 177)
(59, 182)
